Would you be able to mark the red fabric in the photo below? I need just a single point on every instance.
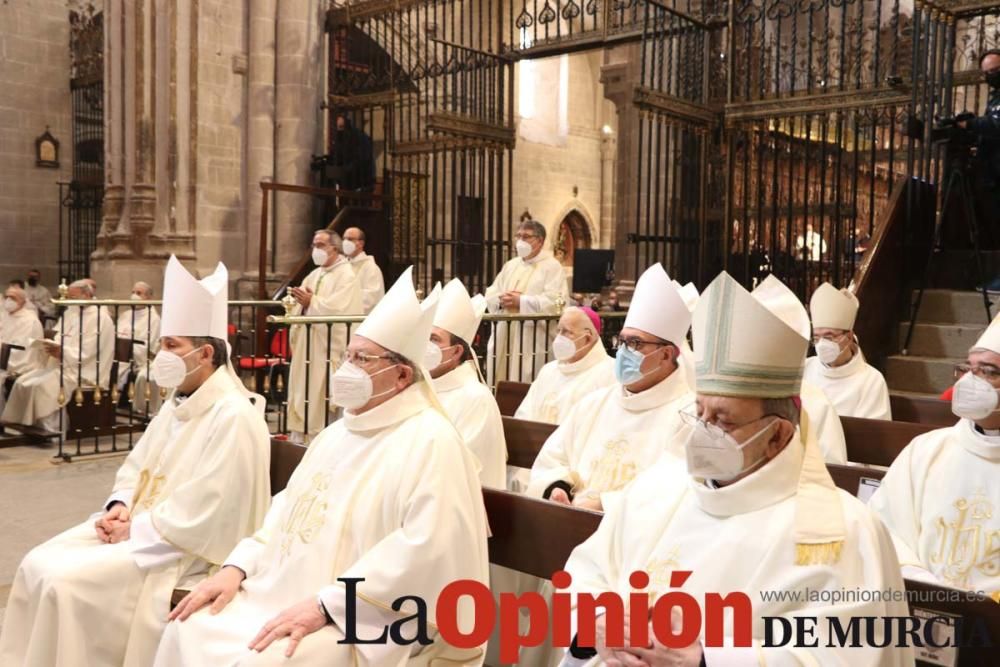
(595, 319)
(946, 394)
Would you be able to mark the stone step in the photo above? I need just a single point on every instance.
(954, 307)
(925, 375)
(940, 340)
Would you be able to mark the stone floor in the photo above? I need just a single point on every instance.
(39, 499)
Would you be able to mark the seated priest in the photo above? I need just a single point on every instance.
(941, 496)
(140, 324)
(615, 432)
(194, 485)
(19, 325)
(823, 419)
(581, 365)
(81, 356)
(855, 388)
(757, 511)
(468, 402)
(387, 497)
(330, 289)
(532, 283)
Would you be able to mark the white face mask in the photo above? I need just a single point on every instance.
(432, 356)
(10, 305)
(319, 256)
(714, 454)
(827, 351)
(135, 297)
(169, 369)
(523, 248)
(351, 387)
(350, 247)
(564, 347)
(973, 398)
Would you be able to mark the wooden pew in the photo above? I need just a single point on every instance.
(850, 478)
(920, 410)
(876, 441)
(524, 440)
(978, 616)
(510, 395)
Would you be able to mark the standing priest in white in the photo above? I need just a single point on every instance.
(193, 486)
(369, 276)
(388, 495)
(615, 432)
(141, 324)
(533, 283)
(756, 512)
(823, 419)
(331, 289)
(468, 402)
(581, 365)
(941, 496)
(83, 359)
(839, 368)
(19, 325)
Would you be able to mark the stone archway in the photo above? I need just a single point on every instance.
(572, 233)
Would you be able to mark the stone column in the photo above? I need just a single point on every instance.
(260, 113)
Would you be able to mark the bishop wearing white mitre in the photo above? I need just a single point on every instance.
(330, 289)
(824, 421)
(614, 433)
(941, 496)
(581, 365)
(193, 486)
(387, 494)
(855, 388)
(452, 365)
(88, 337)
(530, 284)
(757, 510)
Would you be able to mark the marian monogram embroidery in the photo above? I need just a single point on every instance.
(968, 543)
(614, 469)
(307, 516)
(148, 490)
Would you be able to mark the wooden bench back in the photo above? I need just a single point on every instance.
(524, 440)
(920, 410)
(5, 350)
(510, 395)
(285, 456)
(849, 478)
(876, 441)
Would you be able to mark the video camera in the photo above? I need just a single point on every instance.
(947, 130)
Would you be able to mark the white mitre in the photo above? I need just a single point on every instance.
(399, 321)
(657, 307)
(833, 308)
(193, 307)
(990, 340)
(744, 348)
(689, 294)
(458, 313)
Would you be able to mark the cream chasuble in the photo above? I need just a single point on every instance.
(196, 483)
(824, 423)
(145, 329)
(390, 496)
(941, 502)
(369, 278)
(612, 436)
(19, 329)
(35, 395)
(517, 350)
(855, 389)
(741, 538)
(473, 410)
(335, 292)
(559, 386)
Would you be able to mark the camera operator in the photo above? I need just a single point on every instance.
(985, 130)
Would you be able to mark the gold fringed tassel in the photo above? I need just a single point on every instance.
(825, 553)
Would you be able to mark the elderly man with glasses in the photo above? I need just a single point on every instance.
(533, 283)
(615, 432)
(940, 498)
(855, 388)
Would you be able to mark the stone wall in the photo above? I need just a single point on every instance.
(34, 80)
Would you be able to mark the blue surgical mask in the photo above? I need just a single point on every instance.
(627, 364)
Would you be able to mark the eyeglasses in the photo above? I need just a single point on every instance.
(836, 338)
(522, 236)
(989, 373)
(633, 344)
(690, 417)
(362, 358)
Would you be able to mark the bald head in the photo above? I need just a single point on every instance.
(142, 290)
(356, 237)
(17, 295)
(81, 289)
(577, 327)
